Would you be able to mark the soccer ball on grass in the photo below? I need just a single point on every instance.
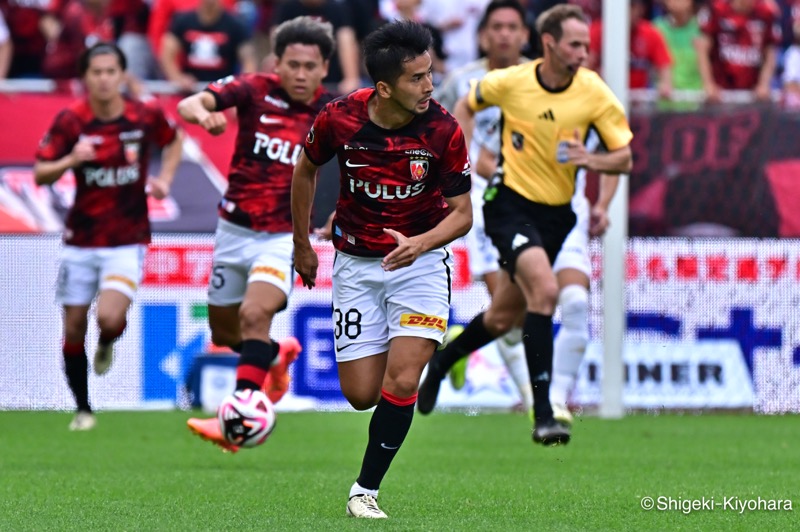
(246, 418)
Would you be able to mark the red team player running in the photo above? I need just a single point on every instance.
(404, 195)
(106, 140)
(252, 273)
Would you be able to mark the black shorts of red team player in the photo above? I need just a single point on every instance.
(515, 223)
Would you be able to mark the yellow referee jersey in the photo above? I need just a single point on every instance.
(536, 120)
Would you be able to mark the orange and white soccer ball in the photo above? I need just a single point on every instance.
(246, 418)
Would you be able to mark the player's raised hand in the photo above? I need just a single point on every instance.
(404, 254)
(83, 151)
(215, 123)
(306, 263)
(157, 187)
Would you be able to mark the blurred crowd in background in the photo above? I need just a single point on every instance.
(676, 45)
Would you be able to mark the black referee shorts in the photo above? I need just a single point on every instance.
(515, 223)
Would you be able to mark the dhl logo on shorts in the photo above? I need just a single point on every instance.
(423, 320)
(121, 279)
(268, 270)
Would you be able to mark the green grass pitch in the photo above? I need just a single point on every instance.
(145, 471)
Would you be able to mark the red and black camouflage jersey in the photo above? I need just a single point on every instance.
(739, 41)
(110, 206)
(395, 179)
(272, 128)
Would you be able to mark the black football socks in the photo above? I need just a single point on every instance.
(537, 335)
(256, 359)
(76, 368)
(388, 428)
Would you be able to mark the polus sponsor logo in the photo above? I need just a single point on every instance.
(276, 149)
(111, 177)
(386, 192)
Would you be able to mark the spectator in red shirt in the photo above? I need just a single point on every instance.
(22, 18)
(737, 48)
(649, 52)
(69, 30)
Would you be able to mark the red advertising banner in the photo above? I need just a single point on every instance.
(719, 171)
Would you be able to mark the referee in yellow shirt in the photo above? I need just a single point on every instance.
(547, 109)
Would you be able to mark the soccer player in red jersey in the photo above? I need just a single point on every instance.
(105, 139)
(252, 273)
(404, 195)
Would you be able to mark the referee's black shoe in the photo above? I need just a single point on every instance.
(549, 432)
(428, 392)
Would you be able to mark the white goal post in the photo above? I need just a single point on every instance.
(615, 60)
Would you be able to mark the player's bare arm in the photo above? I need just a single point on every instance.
(763, 89)
(619, 161)
(599, 221)
(48, 172)
(201, 108)
(6, 54)
(247, 58)
(466, 118)
(304, 184)
(50, 27)
(170, 51)
(347, 48)
(486, 164)
(457, 223)
(702, 46)
(159, 186)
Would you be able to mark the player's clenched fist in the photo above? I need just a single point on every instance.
(215, 123)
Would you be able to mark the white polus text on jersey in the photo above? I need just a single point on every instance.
(276, 149)
(387, 192)
(112, 177)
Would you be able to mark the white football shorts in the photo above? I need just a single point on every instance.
(483, 256)
(85, 271)
(574, 252)
(243, 256)
(371, 306)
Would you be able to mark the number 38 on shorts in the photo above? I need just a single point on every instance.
(411, 301)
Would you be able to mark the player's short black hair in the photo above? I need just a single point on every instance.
(494, 5)
(390, 46)
(305, 30)
(100, 48)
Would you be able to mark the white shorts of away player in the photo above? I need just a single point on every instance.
(574, 252)
(86, 271)
(371, 306)
(243, 256)
(483, 256)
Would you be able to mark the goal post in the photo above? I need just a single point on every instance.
(615, 60)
